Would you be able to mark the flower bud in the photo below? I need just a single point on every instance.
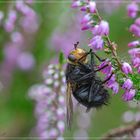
(134, 44)
(128, 95)
(76, 4)
(127, 84)
(115, 87)
(126, 68)
(132, 10)
(86, 26)
(103, 28)
(135, 29)
(108, 69)
(86, 19)
(92, 7)
(137, 21)
(134, 52)
(96, 43)
(136, 62)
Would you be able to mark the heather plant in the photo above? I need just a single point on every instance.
(16, 24)
(124, 75)
(50, 103)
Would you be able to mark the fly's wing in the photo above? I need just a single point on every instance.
(69, 105)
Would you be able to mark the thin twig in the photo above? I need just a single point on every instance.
(118, 132)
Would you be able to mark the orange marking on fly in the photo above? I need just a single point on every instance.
(77, 55)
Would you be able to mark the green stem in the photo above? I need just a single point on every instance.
(114, 53)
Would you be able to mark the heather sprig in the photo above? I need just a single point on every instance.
(50, 103)
(16, 24)
(122, 71)
(134, 51)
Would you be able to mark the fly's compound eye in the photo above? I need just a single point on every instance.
(72, 58)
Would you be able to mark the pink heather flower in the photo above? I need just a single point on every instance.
(76, 4)
(95, 30)
(86, 19)
(115, 87)
(61, 126)
(12, 15)
(107, 70)
(10, 21)
(11, 52)
(126, 68)
(128, 95)
(27, 21)
(96, 43)
(136, 62)
(92, 7)
(53, 133)
(134, 44)
(127, 84)
(134, 52)
(17, 37)
(84, 8)
(87, 25)
(135, 29)
(135, 56)
(50, 117)
(111, 81)
(25, 61)
(9, 27)
(132, 10)
(137, 21)
(27, 11)
(103, 28)
(19, 5)
(60, 113)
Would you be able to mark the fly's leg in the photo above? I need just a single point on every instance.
(107, 78)
(100, 59)
(85, 67)
(102, 67)
(92, 62)
(86, 77)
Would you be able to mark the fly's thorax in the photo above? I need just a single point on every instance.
(77, 55)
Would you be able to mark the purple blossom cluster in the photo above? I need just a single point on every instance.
(99, 28)
(135, 30)
(16, 23)
(50, 104)
(132, 9)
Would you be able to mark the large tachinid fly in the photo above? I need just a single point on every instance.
(83, 82)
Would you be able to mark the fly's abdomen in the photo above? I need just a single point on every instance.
(81, 94)
(89, 96)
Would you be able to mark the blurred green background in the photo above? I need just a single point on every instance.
(17, 109)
